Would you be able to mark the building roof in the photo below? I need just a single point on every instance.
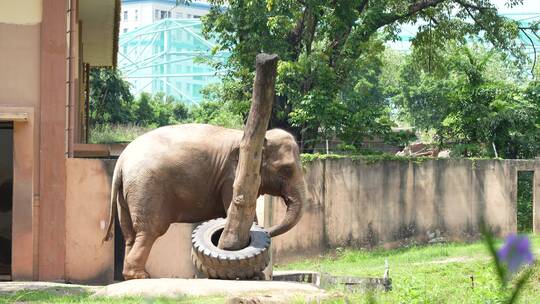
(100, 23)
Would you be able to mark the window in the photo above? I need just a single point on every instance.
(196, 17)
(125, 30)
(156, 14)
(188, 16)
(136, 15)
(179, 15)
(165, 14)
(125, 15)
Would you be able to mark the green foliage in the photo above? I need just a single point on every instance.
(370, 158)
(118, 117)
(116, 133)
(110, 100)
(471, 108)
(330, 77)
(525, 201)
(159, 110)
(112, 103)
(216, 113)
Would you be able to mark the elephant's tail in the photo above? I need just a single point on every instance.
(115, 186)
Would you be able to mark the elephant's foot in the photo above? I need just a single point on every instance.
(132, 274)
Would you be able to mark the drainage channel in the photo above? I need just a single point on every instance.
(326, 281)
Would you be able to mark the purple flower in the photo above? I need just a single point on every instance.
(515, 252)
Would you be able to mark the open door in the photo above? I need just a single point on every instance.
(6, 198)
(525, 201)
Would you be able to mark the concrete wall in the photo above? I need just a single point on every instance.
(88, 260)
(33, 82)
(390, 203)
(351, 203)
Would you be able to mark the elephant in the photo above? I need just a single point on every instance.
(185, 174)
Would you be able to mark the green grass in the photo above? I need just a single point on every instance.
(427, 274)
(424, 274)
(104, 134)
(55, 297)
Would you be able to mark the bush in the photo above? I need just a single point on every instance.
(216, 113)
(117, 133)
(524, 203)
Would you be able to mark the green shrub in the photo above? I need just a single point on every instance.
(117, 133)
(524, 203)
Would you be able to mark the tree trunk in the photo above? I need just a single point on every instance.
(241, 212)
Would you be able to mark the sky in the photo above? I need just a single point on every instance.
(528, 6)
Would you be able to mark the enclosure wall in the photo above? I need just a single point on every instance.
(88, 259)
(351, 203)
(391, 203)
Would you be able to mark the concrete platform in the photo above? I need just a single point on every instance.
(204, 287)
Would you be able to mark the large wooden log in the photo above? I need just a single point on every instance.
(241, 212)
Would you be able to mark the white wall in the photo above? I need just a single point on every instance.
(145, 12)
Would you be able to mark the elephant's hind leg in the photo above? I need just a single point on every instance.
(125, 223)
(135, 261)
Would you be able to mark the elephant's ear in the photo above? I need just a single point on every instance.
(264, 152)
(235, 154)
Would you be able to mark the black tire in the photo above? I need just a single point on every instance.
(244, 264)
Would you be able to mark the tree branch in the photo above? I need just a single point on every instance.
(534, 50)
(362, 6)
(473, 6)
(294, 38)
(413, 9)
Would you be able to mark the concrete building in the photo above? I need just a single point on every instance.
(138, 13)
(160, 48)
(46, 48)
(165, 57)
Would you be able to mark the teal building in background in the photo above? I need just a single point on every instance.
(169, 56)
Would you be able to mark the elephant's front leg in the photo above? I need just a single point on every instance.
(135, 261)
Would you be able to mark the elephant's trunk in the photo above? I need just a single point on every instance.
(294, 199)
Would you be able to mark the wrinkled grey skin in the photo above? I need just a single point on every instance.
(185, 174)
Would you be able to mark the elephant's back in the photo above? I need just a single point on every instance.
(181, 154)
(195, 138)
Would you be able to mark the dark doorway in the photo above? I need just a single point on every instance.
(119, 248)
(525, 201)
(6, 198)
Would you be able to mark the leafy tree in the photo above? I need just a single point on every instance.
(159, 110)
(143, 110)
(216, 113)
(327, 80)
(110, 98)
(112, 103)
(474, 104)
